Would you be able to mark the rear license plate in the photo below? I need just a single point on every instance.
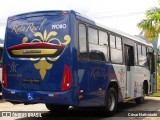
(31, 81)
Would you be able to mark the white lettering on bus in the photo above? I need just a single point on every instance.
(59, 26)
(25, 27)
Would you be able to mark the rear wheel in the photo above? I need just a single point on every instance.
(111, 101)
(139, 100)
(57, 108)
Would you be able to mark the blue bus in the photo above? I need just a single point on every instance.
(1, 51)
(63, 58)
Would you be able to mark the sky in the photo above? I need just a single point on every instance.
(119, 14)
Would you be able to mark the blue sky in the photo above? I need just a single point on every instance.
(119, 14)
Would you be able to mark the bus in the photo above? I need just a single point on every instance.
(64, 58)
(1, 51)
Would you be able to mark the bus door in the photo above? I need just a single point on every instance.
(129, 61)
(152, 67)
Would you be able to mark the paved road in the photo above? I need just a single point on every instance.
(151, 104)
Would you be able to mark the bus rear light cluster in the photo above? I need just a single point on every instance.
(67, 79)
(81, 97)
(10, 92)
(4, 76)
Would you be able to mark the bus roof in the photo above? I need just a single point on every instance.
(91, 21)
(83, 18)
(132, 37)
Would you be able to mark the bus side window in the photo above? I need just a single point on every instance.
(119, 48)
(116, 49)
(95, 50)
(93, 36)
(82, 42)
(144, 56)
(139, 55)
(103, 44)
(135, 55)
(112, 47)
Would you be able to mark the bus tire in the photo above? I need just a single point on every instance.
(111, 101)
(57, 108)
(140, 100)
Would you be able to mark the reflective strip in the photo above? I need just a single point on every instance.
(12, 92)
(53, 95)
(34, 52)
(50, 95)
(128, 99)
(100, 89)
(81, 91)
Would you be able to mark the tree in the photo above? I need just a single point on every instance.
(151, 25)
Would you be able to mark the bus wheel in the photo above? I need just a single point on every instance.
(57, 108)
(140, 100)
(111, 101)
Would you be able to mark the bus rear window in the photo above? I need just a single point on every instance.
(38, 36)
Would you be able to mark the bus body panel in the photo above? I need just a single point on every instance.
(42, 74)
(138, 76)
(21, 70)
(32, 97)
(94, 79)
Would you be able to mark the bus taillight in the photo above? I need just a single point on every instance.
(67, 79)
(4, 76)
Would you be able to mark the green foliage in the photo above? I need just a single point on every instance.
(145, 24)
(158, 77)
(157, 94)
(153, 13)
(151, 25)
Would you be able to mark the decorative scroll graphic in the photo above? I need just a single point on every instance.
(41, 63)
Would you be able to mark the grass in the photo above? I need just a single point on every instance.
(157, 94)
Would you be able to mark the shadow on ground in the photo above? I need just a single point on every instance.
(93, 113)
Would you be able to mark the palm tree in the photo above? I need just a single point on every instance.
(151, 25)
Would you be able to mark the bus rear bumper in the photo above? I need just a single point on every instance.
(26, 96)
